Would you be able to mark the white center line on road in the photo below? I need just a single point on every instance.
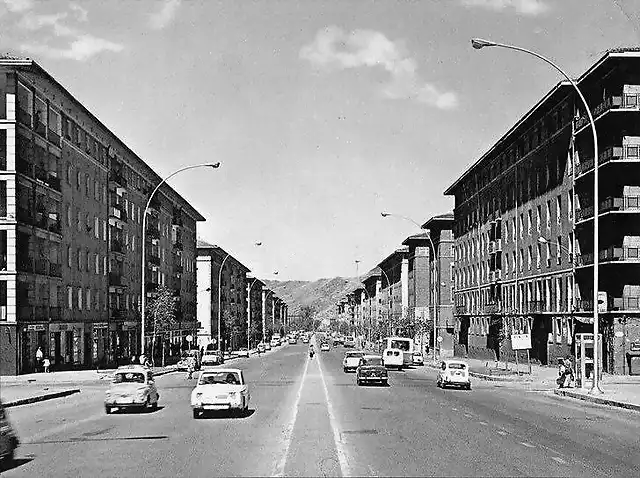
(483, 423)
(340, 449)
(288, 431)
(528, 445)
(501, 432)
(559, 460)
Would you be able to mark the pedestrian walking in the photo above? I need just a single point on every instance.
(562, 371)
(46, 363)
(568, 373)
(191, 366)
(39, 357)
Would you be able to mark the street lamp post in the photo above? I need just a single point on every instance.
(479, 43)
(435, 280)
(144, 230)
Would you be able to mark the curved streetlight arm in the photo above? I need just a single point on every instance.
(143, 299)
(479, 43)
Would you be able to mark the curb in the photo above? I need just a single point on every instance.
(41, 398)
(487, 378)
(599, 401)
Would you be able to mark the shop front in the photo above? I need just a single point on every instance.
(66, 348)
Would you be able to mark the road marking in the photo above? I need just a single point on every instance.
(468, 415)
(528, 445)
(61, 428)
(501, 432)
(288, 431)
(483, 423)
(558, 460)
(454, 409)
(340, 450)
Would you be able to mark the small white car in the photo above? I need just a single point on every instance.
(351, 360)
(275, 342)
(267, 346)
(8, 439)
(211, 358)
(454, 373)
(324, 347)
(133, 387)
(418, 359)
(243, 352)
(220, 389)
(393, 358)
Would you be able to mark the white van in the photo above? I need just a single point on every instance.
(392, 357)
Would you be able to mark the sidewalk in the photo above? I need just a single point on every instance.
(621, 395)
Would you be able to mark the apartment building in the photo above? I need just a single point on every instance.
(71, 201)
(524, 224)
(254, 310)
(222, 296)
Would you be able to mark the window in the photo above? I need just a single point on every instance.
(570, 205)
(97, 263)
(104, 230)
(96, 190)
(79, 220)
(548, 251)
(70, 297)
(558, 209)
(104, 265)
(79, 253)
(87, 185)
(529, 221)
(79, 298)
(69, 173)
(88, 261)
(538, 255)
(559, 251)
(538, 218)
(69, 216)
(548, 218)
(78, 180)
(96, 227)
(529, 257)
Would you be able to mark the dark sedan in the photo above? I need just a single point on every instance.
(371, 369)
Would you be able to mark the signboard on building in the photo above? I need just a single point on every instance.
(35, 327)
(520, 341)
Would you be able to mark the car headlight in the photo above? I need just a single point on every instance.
(141, 394)
(199, 395)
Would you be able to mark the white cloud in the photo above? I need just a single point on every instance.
(81, 48)
(82, 14)
(17, 5)
(333, 47)
(523, 7)
(167, 13)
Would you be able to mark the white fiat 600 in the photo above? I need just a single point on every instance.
(220, 389)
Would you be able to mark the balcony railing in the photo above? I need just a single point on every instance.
(536, 306)
(624, 203)
(612, 102)
(154, 258)
(177, 221)
(608, 154)
(118, 212)
(584, 305)
(54, 137)
(625, 303)
(611, 254)
(55, 313)
(153, 232)
(25, 264)
(55, 270)
(117, 314)
(491, 308)
(461, 309)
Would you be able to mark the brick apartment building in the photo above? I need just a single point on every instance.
(524, 224)
(254, 309)
(232, 290)
(71, 200)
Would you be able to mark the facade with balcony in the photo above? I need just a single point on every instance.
(254, 310)
(524, 225)
(222, 296)
(69, 228)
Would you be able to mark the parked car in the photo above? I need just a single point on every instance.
(371, 369)
(8, 438)
(261, 347)
(267, 346)
(305, 340)
(351, 360)
(211, 358)
(418, 359)
(220, 389)
(293, 341)
(132, 387)
(454, 373)
(349, 342)
(393, 358)
(324, 347)
(275, 342)
(243, 352)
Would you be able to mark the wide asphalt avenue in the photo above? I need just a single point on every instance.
(308, 418)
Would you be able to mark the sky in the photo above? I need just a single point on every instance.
(322, 113)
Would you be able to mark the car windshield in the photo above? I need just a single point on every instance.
(457, 366)
(373, 361)
(400, 344)
(231, 378)
(354, 354)
(129, 377)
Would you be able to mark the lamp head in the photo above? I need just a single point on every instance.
(214, 165)
(542, 240)
(258, 243)
(479, 43)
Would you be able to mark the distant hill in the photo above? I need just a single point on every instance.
(321, 294)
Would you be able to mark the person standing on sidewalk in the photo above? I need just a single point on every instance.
(39, 357)
(46, 363)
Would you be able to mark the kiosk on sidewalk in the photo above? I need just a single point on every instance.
(584, 360)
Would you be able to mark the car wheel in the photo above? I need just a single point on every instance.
(359, 382)
(385, 383)
(107, 409)
(468, 386)
(196, 414)
(345, 369)
(148, 405)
